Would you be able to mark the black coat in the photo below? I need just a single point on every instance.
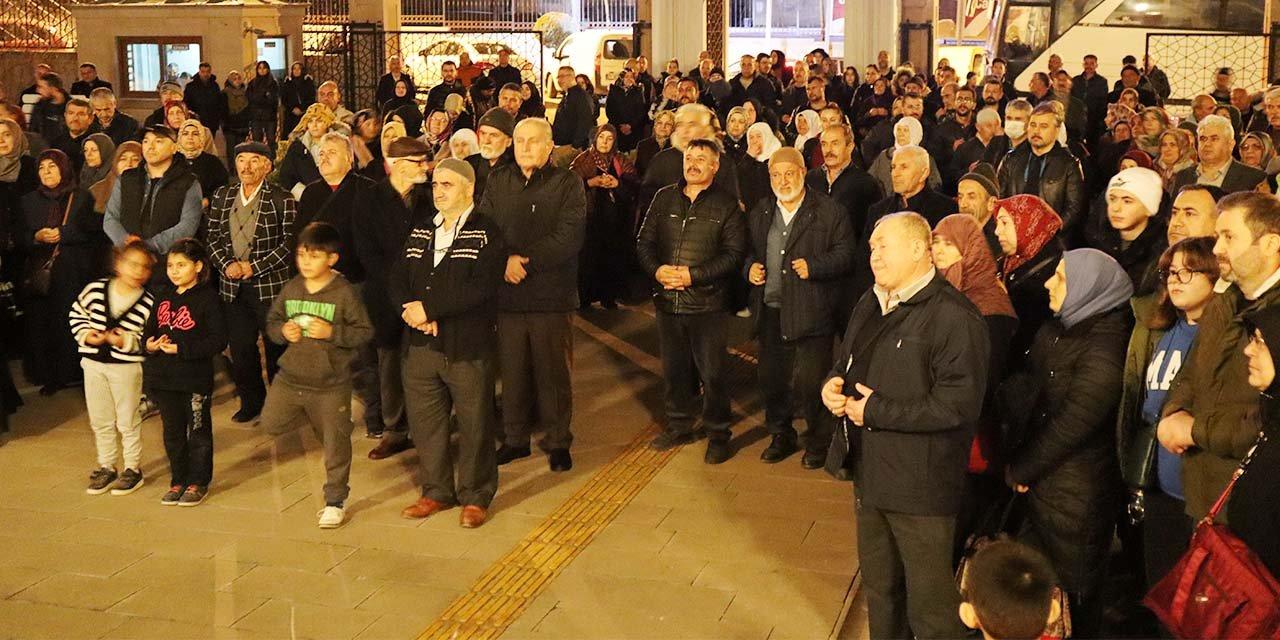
(387, 87)
(297, 166)
(645, 151)
(1061, 183)
(209, 172)
(123, 128)
(296, 93)
(969, 152)
(927, 369)
(820, 235)
(379, 239)
(627, 106)
(761, 89)
(264, 100)
(1030, 299)
(929, 203)
(205, 99)
(1065, 451)
(502, 76)
(707, 235)
(340, 208)
(574, 119)
(1254, 516)
(1240, 177)
(1138, 257)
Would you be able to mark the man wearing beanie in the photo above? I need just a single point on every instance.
(976, 194)
(392, 207)
(250, 238)
(1134, 234)
(493, 133)
(799, 250)
(158, 201)
(444, 282)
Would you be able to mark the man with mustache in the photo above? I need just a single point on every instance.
(1047, 169)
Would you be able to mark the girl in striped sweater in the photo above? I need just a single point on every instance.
(107, 322)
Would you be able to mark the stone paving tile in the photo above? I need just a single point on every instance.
(305, 587)
(79, 592)
(34, 621)
(284, 619)
(206, 574)
(395, 566)
(69, 557)
(192, 604)
(16, 578)
(153, 629)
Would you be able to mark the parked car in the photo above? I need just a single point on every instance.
(601, 54)
(425, 66)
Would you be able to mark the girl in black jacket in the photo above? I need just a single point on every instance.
(1063, 456)
(183, 334)
(296, 94)
(263, 94)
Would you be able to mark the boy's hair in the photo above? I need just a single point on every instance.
(136, 245)
(320, 236)
(195, 251)
(1010, 587)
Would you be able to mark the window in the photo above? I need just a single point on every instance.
(147, 62)
(1070, 12)
(1227, 15)
(1025, 35)
(617, 49)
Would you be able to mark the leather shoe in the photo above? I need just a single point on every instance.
(717, 451)
(560, 460)
(782, 446)
(389, 447)
(473, 516)
(668, 440)
(246, 414)
(423, 508)
(813, 459)
(507, 454)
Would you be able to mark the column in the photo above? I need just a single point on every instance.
(679, 31)
(869, 28)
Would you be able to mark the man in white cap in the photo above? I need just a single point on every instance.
(1133, 234)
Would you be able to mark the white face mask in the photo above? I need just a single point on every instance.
(1015, 129)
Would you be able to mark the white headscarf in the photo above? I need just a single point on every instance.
(913, 126)
(815, 128)
(769, 141)
(467, 137)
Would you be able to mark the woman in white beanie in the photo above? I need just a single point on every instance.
(1133, 234)
(907, 131)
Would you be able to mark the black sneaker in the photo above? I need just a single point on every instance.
(129, 482)
(560, 460)
(172, 496)
(507, 454)
(814, 459)
(100, 481)
(668, 440)
(780, 448)
(718, 451)
(246, 414)
(193, 496)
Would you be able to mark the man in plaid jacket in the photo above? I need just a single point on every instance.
(250, 236)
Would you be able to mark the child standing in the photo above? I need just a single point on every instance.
(320, 317)
(183, 335)
(107, 320)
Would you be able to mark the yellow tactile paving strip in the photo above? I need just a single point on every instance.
(505, 589)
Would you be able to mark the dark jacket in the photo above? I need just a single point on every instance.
(387, 87)
(646, 150)
(296, 93)
(543, 219)
(667, 168)
(459, 293)
(205, 99)
(1061, 183)
(340, 208)
(627, 106)
(1253, 502)
(822, 236)
(264, 100)
(706, 234)
(194, 321)
(298, 166)
(929, 203)
(574, 119)
(483, 168)
(1030, 299)
(1066, 451)
(380, 234)
(78, 250)
(123, 128)
(969, 152)
(502, 76)
(1142, 346)
(208, 170)
(927, 367)
(438, 94)
(82, 88)
(164, 207)
(1138, 257)
(1240, 177)
(761, 89)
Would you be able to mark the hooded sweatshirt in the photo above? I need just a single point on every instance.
(310, 363)
(193, 320)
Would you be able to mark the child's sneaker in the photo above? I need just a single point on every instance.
(331, 517)
(147, 408)
(128, 482)
(172, 496)
(193, 496)
(100, 481)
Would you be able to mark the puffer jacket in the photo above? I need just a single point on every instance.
(707, 235)
(1061, 183)
(1066, 451)
(1131, 430)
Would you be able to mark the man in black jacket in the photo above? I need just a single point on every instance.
(749, 84)
(692, 242)
(853, 191)
(800, 248)
(908, 384)
(444, 283)
(627, 110)
(449, 84)
(1092, 89)
(693, 121)
(957, 127)
(1215, 138)
(78, 125)
(393, 206)
(987, 144)
(503, 73)
(120, 127)
(1045, 168)
(575, 117)
(204, 97)
(88, 81)
(387, 83)
(541, 210)
(493, 132)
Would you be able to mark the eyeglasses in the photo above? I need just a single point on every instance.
(1183, 276)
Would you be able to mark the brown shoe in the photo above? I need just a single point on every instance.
(473, 516)
(389, 447)
(423, 508)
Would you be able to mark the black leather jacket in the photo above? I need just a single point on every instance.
(707, 235)
(1061, 183)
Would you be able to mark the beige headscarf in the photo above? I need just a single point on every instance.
(317, 110)
(396, 129)
(206, 144)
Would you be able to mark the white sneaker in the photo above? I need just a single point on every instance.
(331, 517)
(744, 312)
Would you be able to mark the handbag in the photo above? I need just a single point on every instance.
(40, 279)
(1219, 588)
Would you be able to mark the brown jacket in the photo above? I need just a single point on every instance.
(1213, 387)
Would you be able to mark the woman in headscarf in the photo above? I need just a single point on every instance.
(1154, 123)
(735, 133)
(1254, 516)
(753, 164)
(1111, 148)
(296, 94)
(127, 156)
(298, 169)
(437, 135)
(808, 126)
(874, 108)
(1257, 151)
(236, 114)
(664, 123)
(459, 117)
(1027, 229)
(482, 96)
(402, 96)
(98, 150)
(532, 106)
(195, 146)
(611, 182)
(365, 129)
(463, 144)
(408, 115)
(1177, 152)
(263, 94)
(1063, 455)
(175, 113)
(58, 227)
(17, 179)
(907, 131)
(390, 131)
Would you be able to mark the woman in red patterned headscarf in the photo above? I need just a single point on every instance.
(1027, 228)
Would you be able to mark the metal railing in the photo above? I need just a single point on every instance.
(776, 19)
(328, 11)
(515, 14)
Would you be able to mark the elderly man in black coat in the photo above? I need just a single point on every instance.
(908, 385)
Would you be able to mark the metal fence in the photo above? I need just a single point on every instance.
(515, 14)
(37, 25)
(1191, 61)
(328, 11)
(354, 55)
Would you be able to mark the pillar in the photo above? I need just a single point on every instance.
(680, 30)
(869, 28)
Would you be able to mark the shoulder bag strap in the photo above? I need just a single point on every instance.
(1226, 493)
(65, 216)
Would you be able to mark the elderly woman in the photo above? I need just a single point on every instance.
(438, 129)
(753, 165)
(175, 113)
(907, 131)
(463, 144)
(611, 182)
(1154, 123)
(98, 149)
(17, 179)
(1177, 152)
(735, 133)
(195, 145)
(1257, 151)
(299, 166)
(1252, 506)
(390, 131)
(808, 126)
(664, 123)
(127, 156)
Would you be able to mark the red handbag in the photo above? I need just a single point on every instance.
(1219, 588)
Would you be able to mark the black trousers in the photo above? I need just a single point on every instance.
(1166, 533)
(906, 572)
(693, 345)
(246, 323)
(188, 435)
(791, 374)
(436, 387)
(535, 354)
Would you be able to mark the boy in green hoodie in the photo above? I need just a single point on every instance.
(319, 317)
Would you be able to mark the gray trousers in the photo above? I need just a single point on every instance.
(329, 412)
(906, 572)
(435, 388)
(536, 354)
(391, 393)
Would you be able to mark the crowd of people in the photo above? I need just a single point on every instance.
(1059, 300)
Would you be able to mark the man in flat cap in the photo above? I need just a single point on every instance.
(157, 201)
(250, 237)
(493, 133)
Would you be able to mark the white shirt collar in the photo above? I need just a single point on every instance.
(246, 198)
(789, 215)
(444, 236)
(890, 301)
(1266, 286)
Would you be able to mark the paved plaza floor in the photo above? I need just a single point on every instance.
(629, 544)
